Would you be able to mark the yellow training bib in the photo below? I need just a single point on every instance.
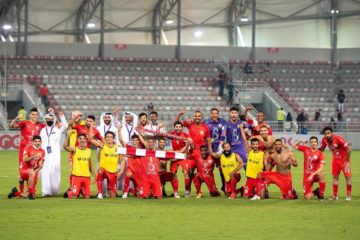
(81, 162)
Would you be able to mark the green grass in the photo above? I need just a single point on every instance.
(207, 218)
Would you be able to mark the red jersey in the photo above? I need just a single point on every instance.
(205, 167)
(198, 133)
(30, 151)
(150, 168)
(85, 130)
(338, 147)
(312, 159)
(177, 145)
(28, 130)
(44, 91)
(256, 130)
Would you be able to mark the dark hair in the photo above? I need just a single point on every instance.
(150, 138)
(81, 134)
(36, 137)
(313, 137)
(278, 140)
(111, 133)
(264, 126)
(203, 147)
(254, 140)
(176, 123)
(34, 109)
(154, 112)
(261, 112)
(328, 128)
(142, 114)
(91, 117)
(234, 109)
(224, 144)
(242, 117)
(161, 138)
(214, 109)
(135, 136)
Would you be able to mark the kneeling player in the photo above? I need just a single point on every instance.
(33, 160)
(230, 163)
(283, 159)
(109, 160)
(205, 167)
(81, 168)
(313, 168)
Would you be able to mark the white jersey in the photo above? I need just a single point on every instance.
(51, 143)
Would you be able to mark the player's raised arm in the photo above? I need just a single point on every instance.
(13, 123)
(121, 139)
(245, 112)
(180, 114)
(142, 140)
(247, 146)
(66, 144)
(64, 123)
(97, 143)
(297, 143)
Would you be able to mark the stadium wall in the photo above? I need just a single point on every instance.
(162, 51)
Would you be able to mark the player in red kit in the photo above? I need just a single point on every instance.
(90, 122)
(314, 162)
(260, 118)
(150, 168)
(200, 134)
(205, 166)
(341, 152)
(178, 145)
(28, 129)
(33, 160)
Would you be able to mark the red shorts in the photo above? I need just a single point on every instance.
(209, 181)
(228, 184)
(80, 183)
(284, 182)
(137, 178)
(111, 180)
(154, 186)
(24, 174)
(166, 177)
(307, 185)
(338, 166)
(250, 187)
(21, 155)
(175, 165)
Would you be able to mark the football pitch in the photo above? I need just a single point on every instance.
(206, 218)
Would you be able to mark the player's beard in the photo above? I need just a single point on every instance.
(227, 153)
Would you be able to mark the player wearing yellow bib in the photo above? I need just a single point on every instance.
(81, 168)
(255, 165)
(109, 160)
(230, 163)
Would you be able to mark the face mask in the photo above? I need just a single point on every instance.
(227, 153)
(49, 123)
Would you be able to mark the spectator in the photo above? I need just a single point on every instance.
(231, 89)
(333, 123)
(22, 113)
(280, 118)
(221, 82)
(317, 115)
(149, 108)
(267, 68)
(300, 119)
(247, 68)
(341, 100)
(44, 92)
(289, 122)
(340, 122)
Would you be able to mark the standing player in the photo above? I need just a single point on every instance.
(178, 145)
(33, 160)
(28, 129)
(230, 163)
(232, 135)
(90, 123)
(216, 124)
(260, 118)
(341, 152)
(313, 168)
(283, 159)
(81, 167)
(205, 166)
(200, 134)
(51, 143)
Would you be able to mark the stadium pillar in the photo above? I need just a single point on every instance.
(26, 22)
(102, 16)
(253, 31)
(178, 47)
(18, 23)
(334, 13)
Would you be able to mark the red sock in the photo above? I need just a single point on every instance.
(259, 186)
(233, 185)
(335, 190)
(197, 184)
(322, 188)
(99, 180)
(21, 186)
(187, 184)
(70, 179)
(348, 189)
(175, 184)
(31, 190)
(126, 184)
